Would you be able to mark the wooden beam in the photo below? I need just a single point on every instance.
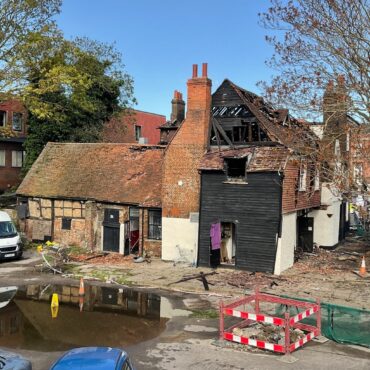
(222, 132)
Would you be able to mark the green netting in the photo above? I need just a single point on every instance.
(339, 323)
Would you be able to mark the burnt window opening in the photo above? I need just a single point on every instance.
(236, 168)
(66, 223)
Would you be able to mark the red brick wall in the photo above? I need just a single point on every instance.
(122, 129)
(293, 199)
(181, 180)
(11, 106)
(9, 176)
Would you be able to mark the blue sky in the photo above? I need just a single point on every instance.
(161, 39)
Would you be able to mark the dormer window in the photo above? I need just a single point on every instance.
(303, 177)
(236, 169)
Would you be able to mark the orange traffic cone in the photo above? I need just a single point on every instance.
(363, 267)
(81, 291)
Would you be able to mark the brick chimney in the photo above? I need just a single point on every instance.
(181, 180)
(178, 107)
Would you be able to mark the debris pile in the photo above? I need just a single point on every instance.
(268, 333)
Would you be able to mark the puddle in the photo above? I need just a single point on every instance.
(105, 316)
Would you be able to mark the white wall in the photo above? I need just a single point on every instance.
(287, 243)
(326, 221)
(179, 239)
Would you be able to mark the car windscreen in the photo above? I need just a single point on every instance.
(7, 229)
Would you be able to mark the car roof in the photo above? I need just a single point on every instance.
(86, 358)
(4, 216)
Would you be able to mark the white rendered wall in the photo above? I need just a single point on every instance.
(326, 222)
(287, 243)
(179, 239)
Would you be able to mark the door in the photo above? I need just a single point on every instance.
(305, 233)
(111, 230)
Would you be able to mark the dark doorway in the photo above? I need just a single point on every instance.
(342, 221)
(111, 230)
(228, 244)
(305, 233)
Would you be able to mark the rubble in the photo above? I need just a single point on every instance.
(268, 333)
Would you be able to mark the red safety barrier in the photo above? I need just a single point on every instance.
(287, 322)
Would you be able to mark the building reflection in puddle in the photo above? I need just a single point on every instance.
(104, 316)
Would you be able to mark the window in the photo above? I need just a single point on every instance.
(2, 158)
(317, 180)
(17, 158)
(357, 173)
(2, 118)
(303, 177)
(66, 223)
(347, 141)
(17, 122)
(337, 147)
(155, 224)
(236, 168)
(137, 132)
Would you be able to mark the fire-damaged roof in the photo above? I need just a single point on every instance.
(280, 126)
(262, 158)
(114, 173)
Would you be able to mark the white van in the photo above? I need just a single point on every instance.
(10, 241)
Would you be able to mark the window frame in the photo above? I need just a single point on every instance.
(316, 186)
(138, 130)
(3, 163)
(302, 185)
(15, 160)
(66, 223)
(17, 114)
(234, 178)
(4, 120)
(155, 226)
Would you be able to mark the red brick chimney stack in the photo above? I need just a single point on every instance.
(178, 107)
(181, 180)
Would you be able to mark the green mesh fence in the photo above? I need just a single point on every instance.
(339, 323)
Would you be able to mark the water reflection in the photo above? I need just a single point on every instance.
(108, 317)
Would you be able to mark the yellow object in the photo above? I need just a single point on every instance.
(39, 248)
(363, 267)
(54, 306)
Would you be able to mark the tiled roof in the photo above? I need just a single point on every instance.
(263, 158)
(116, 173)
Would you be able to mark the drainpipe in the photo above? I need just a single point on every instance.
(142, 232)
(52, 220)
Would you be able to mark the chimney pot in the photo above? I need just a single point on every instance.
(204, 69)
(341, 80)
(195, 70)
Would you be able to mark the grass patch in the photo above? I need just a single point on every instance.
(204, 314)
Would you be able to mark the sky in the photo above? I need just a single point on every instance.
(160, 40)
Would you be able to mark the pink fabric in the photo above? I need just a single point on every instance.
(215, 234)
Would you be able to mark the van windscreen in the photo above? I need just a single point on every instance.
(7, 229)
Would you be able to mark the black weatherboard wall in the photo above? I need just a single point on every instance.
(255, 208)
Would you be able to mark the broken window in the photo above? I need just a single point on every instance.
(236, 168)
(155, 224)
(66, 223)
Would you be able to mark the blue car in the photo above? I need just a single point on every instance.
(94, 358)
(13, 361)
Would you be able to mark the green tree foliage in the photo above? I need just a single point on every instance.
(18, 19)
(74, 87)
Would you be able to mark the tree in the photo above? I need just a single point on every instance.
(18, 19)
(315, 41)
(321, 58)
(74, 87)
